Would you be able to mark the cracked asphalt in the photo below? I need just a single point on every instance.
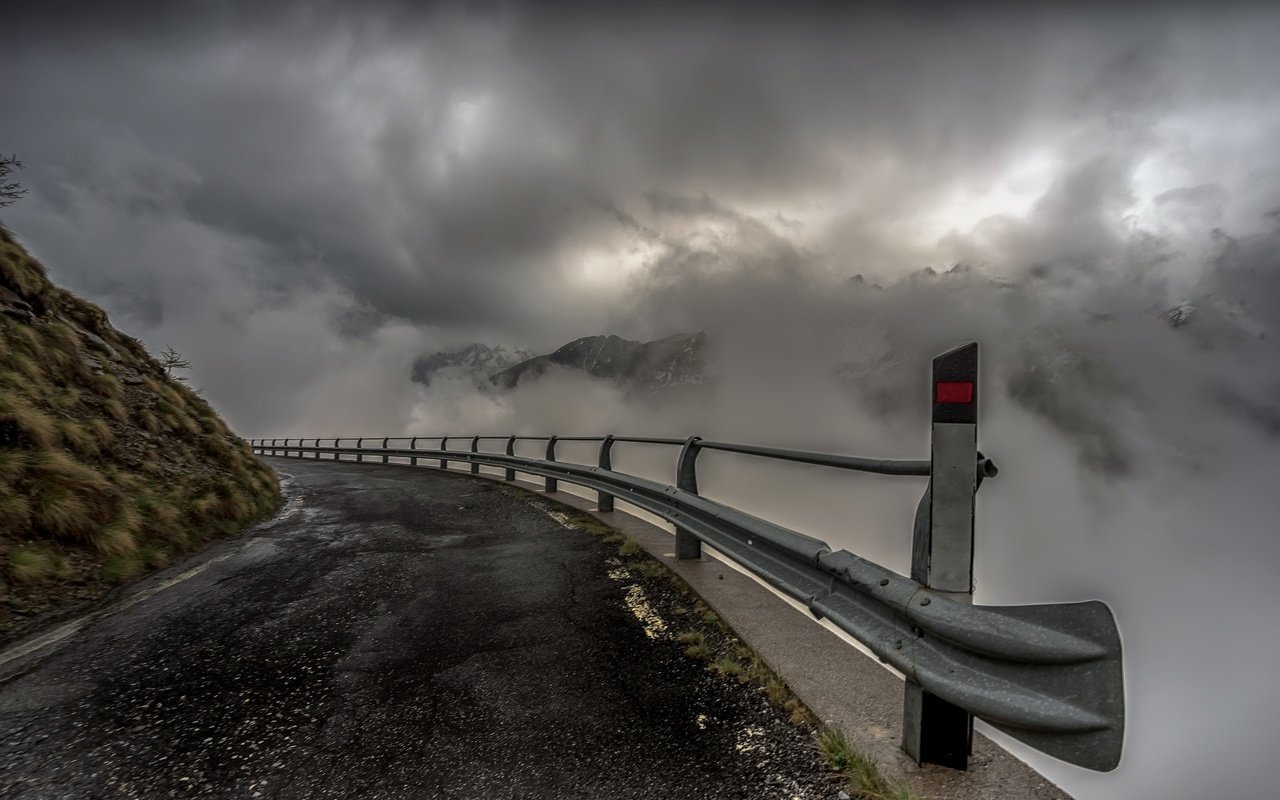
(393, 633)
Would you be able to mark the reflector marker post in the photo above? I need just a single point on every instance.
(935, 731)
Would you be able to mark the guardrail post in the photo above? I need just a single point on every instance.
(933, 730)
(384, 447)
(604, 500)
(360, 446)
(444, 445)
(688, 546)
(552, 484)
(475, 448)
(316, 454)
(274, 451)
(337, 443)
(413, 445)
(510, 474)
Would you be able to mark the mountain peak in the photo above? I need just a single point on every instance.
(474, 359)
(647, 366)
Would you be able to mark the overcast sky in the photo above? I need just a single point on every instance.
(303, 198)
(277, 192)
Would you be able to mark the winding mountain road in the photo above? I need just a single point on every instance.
(395, 632)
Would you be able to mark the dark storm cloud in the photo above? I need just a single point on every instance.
(452, 165)
(314, 126)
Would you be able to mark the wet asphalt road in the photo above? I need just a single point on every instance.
(394, 633)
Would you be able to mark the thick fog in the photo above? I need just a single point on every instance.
(305, 201)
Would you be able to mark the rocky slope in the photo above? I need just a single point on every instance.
(108, 466)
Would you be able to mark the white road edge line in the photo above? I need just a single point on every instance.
(67, 629)
(291, 505)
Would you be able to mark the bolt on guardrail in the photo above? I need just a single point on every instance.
(1049, 675)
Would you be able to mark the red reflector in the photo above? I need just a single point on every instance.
(953, 392)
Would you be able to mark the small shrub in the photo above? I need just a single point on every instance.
(629, 547)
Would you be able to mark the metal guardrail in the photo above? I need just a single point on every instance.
(1048, 675)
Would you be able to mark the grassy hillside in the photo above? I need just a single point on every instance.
(108, 467)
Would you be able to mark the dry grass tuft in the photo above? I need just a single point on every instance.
(36, 429)
(121, 536)
(119, 569)
(107, 386)
(21, 273)
(154, 555)
(13, 463)
(70, 499)
(21, 366)
(30, 564)
(865, 779)
(78, 438)
(15, 512)
(207, 505)
(149, 422)
(115, 409)
(725, 667)
(101, 432)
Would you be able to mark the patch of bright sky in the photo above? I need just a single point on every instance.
(462, 134)
(1013, 193)
(609, 267)
(1217, 145)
